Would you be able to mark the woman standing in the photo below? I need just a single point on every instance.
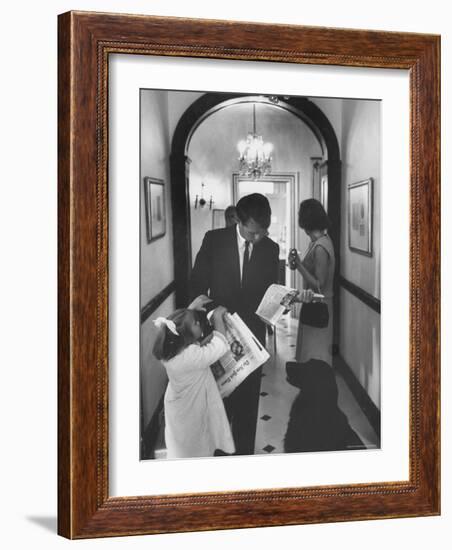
(317, 269)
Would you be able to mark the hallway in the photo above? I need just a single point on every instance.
(277, 396)
(318, 154)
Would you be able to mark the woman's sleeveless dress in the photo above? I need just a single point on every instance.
(312, 342)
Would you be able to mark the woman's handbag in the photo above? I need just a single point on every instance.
(315, 314)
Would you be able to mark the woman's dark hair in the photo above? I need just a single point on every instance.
(254, 206)
(167, 344)
(312, 216)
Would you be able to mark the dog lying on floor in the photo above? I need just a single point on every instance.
(316, 423)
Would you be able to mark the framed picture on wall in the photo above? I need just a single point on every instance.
(360, 211)
(105, 489)
(154, 197)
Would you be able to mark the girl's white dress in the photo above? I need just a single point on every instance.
(195, 418)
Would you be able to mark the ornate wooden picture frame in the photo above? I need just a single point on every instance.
(85, 508)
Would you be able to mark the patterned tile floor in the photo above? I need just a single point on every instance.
(277, 395)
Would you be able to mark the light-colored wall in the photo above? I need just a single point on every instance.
(155, 150)
(360, 326)
(214, 155)
(157, 264)
(360, 161)
(360, 342)
(178, 103)
(153, 374)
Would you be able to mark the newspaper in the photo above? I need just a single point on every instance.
(244, 356)
(275, 302)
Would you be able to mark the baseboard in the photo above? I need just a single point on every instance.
(148, 309)
(366, 298)
(368, 407)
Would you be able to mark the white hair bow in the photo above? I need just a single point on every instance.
(160, 321)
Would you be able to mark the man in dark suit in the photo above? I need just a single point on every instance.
(235, 266)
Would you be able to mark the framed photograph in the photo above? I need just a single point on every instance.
(218, 220)
(154, 192)
(139, 95)
(360, 209)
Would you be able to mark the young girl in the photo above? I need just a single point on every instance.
(195, 418)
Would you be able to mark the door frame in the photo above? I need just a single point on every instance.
(292, 179)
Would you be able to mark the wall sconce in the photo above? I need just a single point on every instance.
(201, 201)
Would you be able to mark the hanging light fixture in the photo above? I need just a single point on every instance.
(255, 155)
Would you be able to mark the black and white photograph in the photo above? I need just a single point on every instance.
(260, 304)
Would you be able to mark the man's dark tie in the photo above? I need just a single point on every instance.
(246, 261)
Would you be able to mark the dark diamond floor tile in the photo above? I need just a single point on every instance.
(269, 448)
(265, 417)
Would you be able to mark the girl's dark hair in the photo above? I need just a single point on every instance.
(167, 344)
(254, 206)
(312, 216)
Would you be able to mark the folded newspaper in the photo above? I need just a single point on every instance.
(245, 355)
(275, 302)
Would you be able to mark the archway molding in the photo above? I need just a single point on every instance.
(206, 106)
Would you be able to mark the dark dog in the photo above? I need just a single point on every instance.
(316, 422)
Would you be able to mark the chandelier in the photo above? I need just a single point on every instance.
(255, 155)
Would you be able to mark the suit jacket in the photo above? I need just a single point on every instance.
(216, 273)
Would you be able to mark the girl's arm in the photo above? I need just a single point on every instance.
(218, 319)
(216, 347)
(201, 357)
(200, 303)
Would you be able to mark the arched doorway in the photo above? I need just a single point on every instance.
(206, 106)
